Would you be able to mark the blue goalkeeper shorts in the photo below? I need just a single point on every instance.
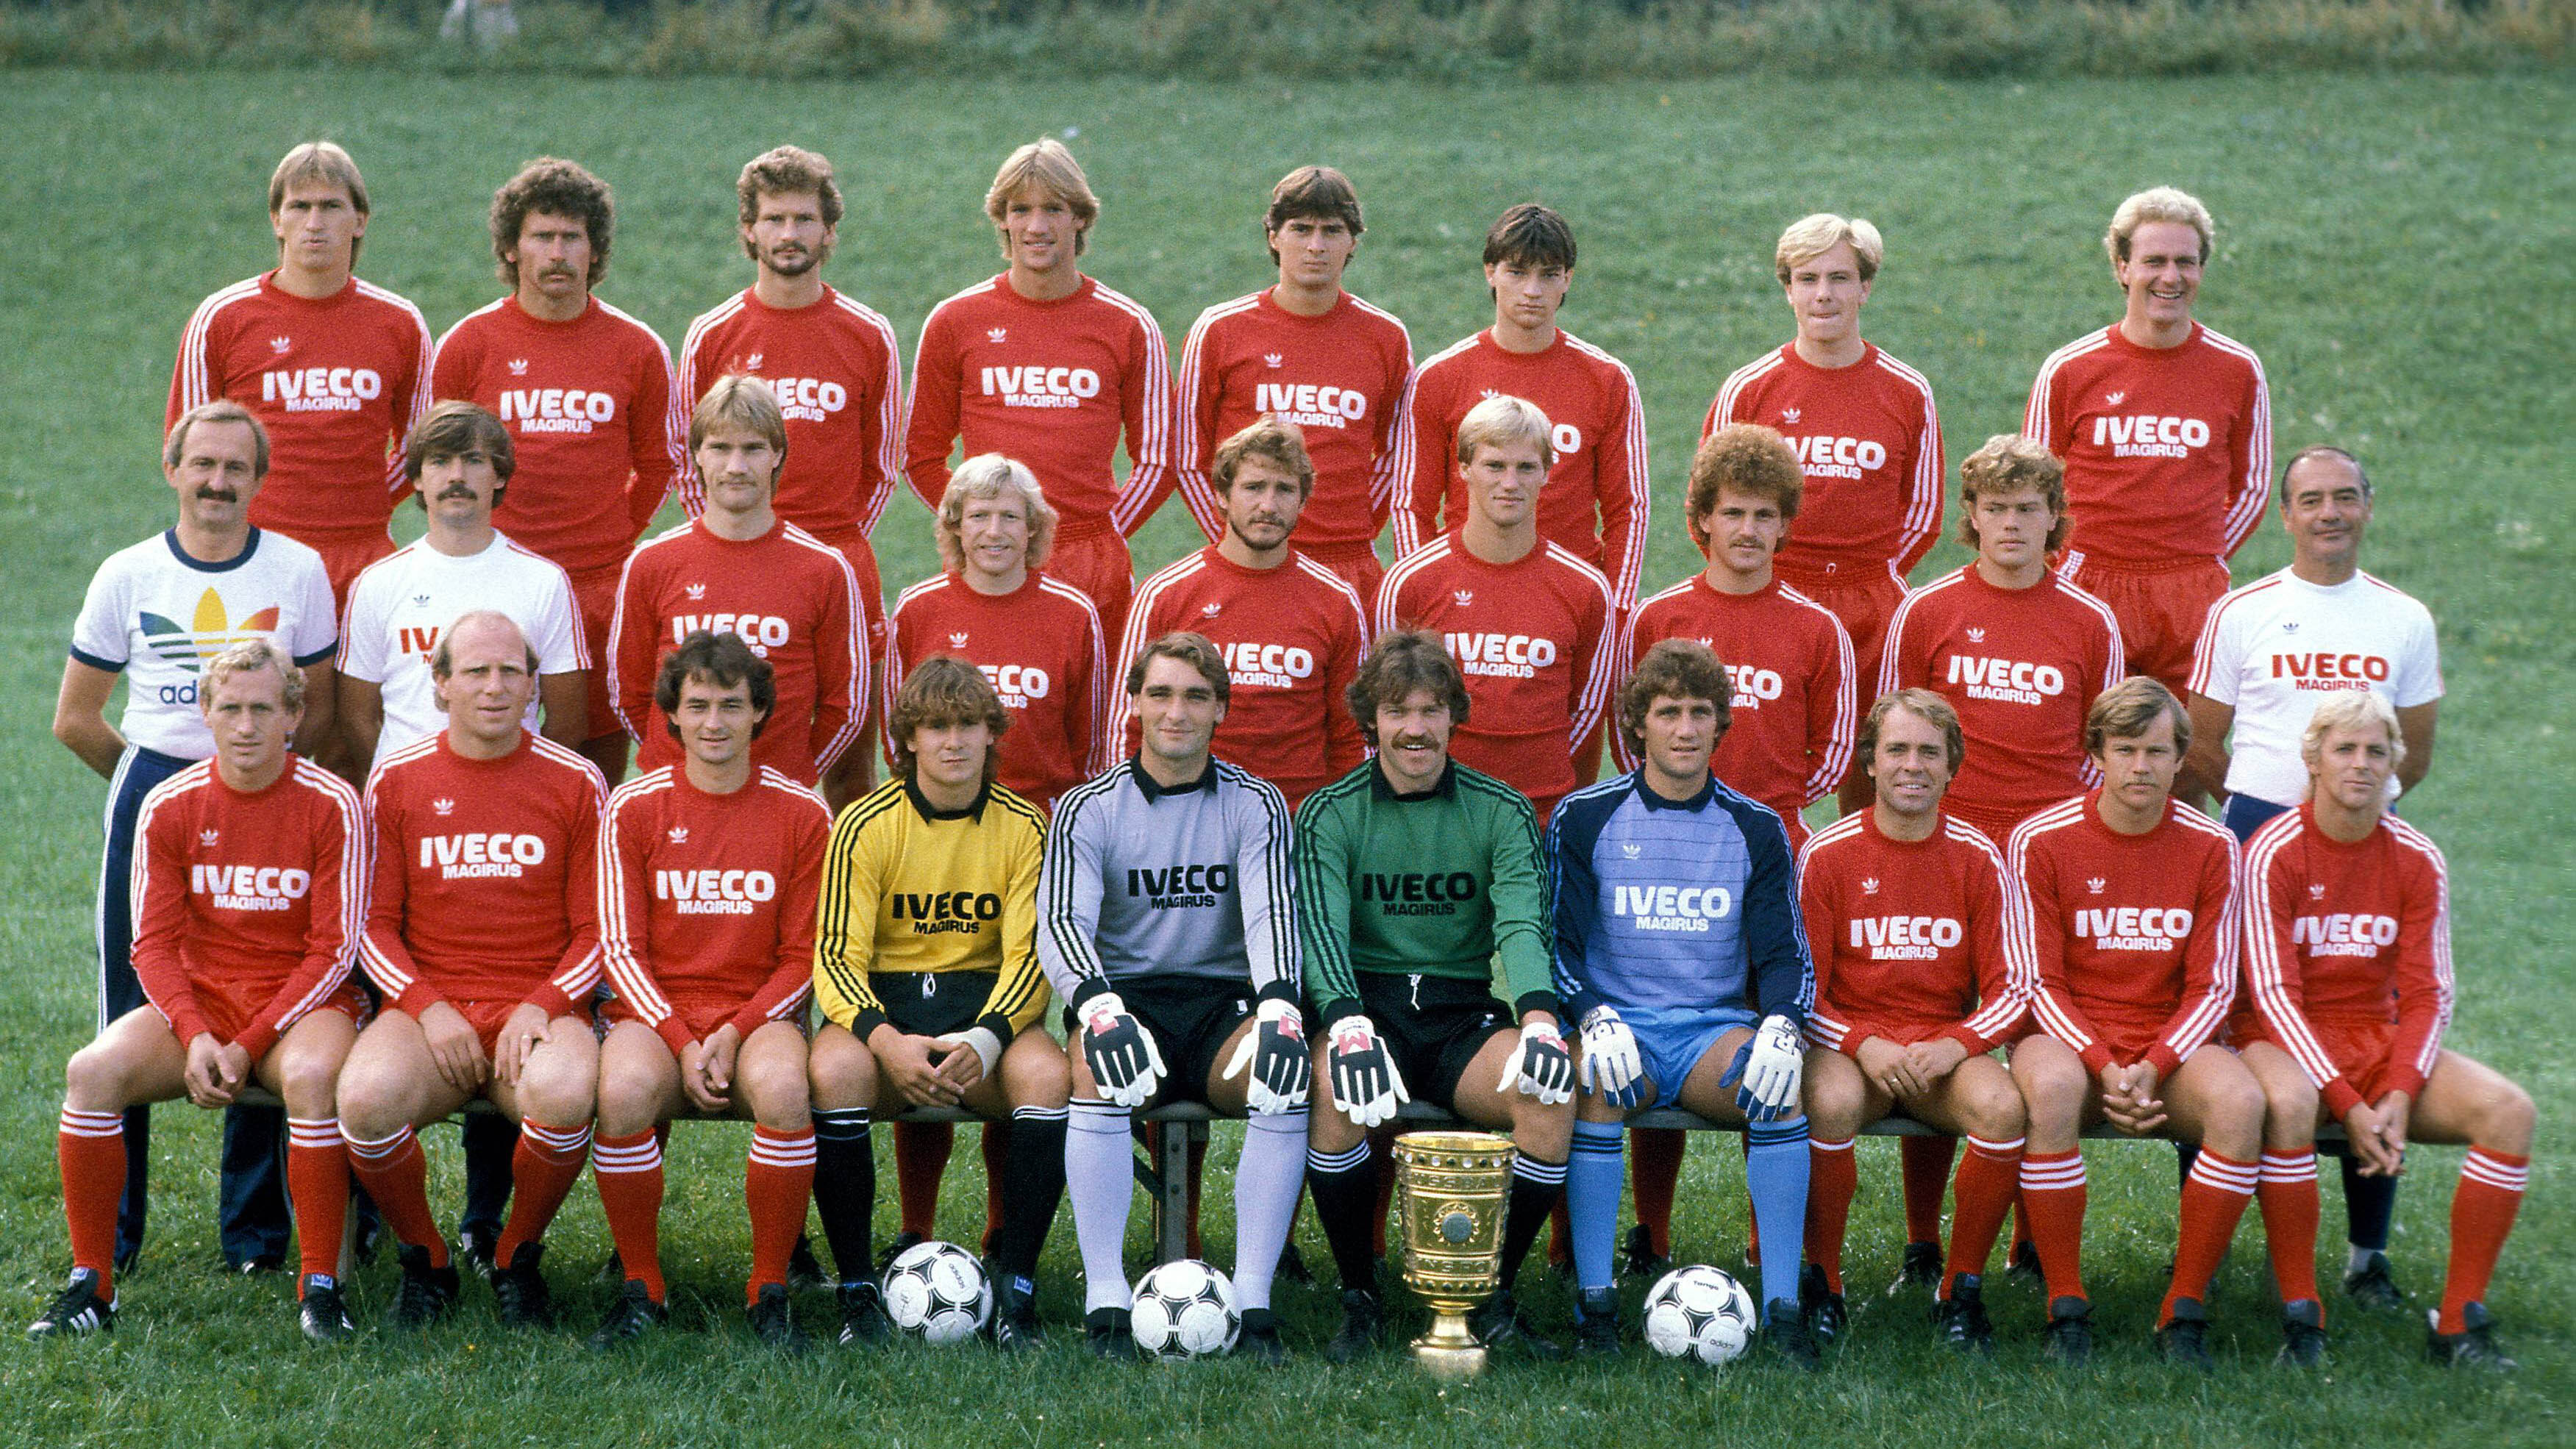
(1673, 1039)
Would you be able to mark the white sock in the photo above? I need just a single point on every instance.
(1267, 1179)
(1099, 1175)
(2360, 1258)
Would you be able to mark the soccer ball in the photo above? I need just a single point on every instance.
(938, 1292)
(1699, 1313)
(1184, 1309)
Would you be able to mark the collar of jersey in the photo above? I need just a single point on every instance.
(1443, 789)
(1153, 790)
(974, 812)
(1653, 801)
(250, 546)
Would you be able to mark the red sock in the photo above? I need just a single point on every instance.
(2213, 1199)
(628, 1174)
(317, 1186)
(91, 1146)
(2482, 1211)
(1832, 1178)
(776, 1181)
(542, 1172)
(2287, 1192)
(1198, 1179)
(921, 1152)
(997, 1161)
(2052, 1205)
(396, 1176)
(1654, 1174)
(1927, 1171)
(1989, 1179)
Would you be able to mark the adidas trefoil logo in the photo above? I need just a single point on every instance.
(751, 363)
(1789, 415)
(443, 806)
(280, 343)
(996, 334)
(679, 835)
(1869, 886)
(1976, 636)
(1627, 849)
(1488, 393)
(2289, 626)
(208, 837)
(1211, 610)
(696, 591)
(518, 367)
(2316, 891)
(1270, 359)
(2115, 398)
(2095, 885)
(957, 640)
(1464, 597)
(420, 601)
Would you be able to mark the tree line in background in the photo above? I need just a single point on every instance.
(1220, 39)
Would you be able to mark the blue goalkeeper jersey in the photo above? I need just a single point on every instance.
(1667, 905)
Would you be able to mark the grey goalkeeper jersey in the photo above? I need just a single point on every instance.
(1192, 881)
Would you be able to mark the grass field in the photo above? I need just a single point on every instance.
(2397, 251)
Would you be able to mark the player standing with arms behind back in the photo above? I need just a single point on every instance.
(335, 368)
(1315, 357)
(2166, 430)
(1048, 366)
(1167, 923)
(586, 393)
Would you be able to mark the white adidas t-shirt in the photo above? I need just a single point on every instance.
(402, 604)
(2277, 647)
(158, 616)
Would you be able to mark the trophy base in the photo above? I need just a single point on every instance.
(1449, 1351)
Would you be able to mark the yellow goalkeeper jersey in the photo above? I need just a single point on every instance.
(910, 889)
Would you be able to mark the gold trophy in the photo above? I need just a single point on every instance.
(1453, 1188)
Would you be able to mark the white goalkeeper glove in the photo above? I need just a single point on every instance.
(1275, 1051)
(1768, 1069)
(1119, 1050)
(1366, 1085)
(1542, 1067)
(1612, 1065)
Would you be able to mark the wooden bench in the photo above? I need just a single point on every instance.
(1165, 1173)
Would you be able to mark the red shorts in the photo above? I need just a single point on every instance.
(1357, 565)
(346, 557)
(853, 545)
(1998, 825)
(1864, 596)
(487, 1018)
(2161, 608)
(1093, 558)
(2364, 1051)
(595, 595)
(228, 1013)
(701, 1016)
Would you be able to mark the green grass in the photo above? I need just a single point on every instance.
(2397, 250)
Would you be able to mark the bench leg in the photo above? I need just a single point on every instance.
(1172, 1193)
(348, 1240)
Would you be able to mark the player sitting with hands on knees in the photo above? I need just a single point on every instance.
(1680, 951)
(2348, 944)
(1907, 908)
(1168, 925)
(707, 876)
(1421, 892)
(249, 889)
(929, 983)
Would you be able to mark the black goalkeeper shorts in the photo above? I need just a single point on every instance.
(1433, 1026)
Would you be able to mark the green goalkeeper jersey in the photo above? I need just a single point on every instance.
(1444, 883)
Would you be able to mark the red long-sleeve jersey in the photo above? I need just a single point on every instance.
(1596, 503)
(834, 368)
(2127, 944)
(1293, 638)
(1338, 379)
(1051, 384)
(247, 905)
(706, 902)
(2352, 935)
(337, 381)
(1795, 707)
(788, 595)
(1909, 936)
(593, 420)
(2168, 451)
(1532, 639)
(486, 876)
(1868, 440)
(2022, 667)
(1042, 646)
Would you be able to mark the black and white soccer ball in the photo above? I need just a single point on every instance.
(1184, 1309)
(938, 1292)
(1699, 1313)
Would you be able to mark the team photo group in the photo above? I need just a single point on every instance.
(1404, 792)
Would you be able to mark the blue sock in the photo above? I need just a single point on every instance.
(1593, 1179)
(1775, 1173)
